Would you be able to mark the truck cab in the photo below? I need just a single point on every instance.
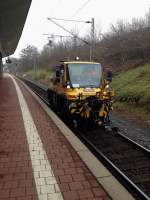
(78, 78)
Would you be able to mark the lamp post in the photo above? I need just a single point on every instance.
(92, 40)
(75, 36)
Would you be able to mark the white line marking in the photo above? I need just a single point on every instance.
(46, 184)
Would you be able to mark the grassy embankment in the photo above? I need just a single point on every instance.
(133, 91)
(42, 75)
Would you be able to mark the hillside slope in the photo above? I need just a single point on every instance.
(133, 89)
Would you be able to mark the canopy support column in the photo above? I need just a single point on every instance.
(1, 66)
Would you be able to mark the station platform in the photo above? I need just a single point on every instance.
(40, 157)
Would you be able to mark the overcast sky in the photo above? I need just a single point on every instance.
(105, 12)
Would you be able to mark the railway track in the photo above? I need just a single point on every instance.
(127, 160)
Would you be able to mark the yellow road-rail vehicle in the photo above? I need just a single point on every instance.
(80, 92)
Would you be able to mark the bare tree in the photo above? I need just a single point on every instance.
(28, 57)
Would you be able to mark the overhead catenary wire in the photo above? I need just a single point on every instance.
(74, 35)
(70, 20)
(75, 13)
(54, 35)
(79, 9)
(68, 31)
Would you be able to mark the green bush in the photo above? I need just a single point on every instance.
(39, 75)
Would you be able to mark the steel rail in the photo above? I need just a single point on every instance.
(134, 143)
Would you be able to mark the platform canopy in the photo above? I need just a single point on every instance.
(13, 14)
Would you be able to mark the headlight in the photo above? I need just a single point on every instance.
(107, 86)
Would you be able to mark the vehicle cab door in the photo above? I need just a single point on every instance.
(59, 80)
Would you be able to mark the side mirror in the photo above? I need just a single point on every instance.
(109, 76)
(51, 79)
(61, 72)
(8, 60)
(57, 73)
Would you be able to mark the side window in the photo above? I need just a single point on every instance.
(57, 71)
(57, 75)
(60, 74)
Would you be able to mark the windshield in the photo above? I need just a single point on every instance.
(84, 74)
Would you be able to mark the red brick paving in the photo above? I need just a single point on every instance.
(16, 177)
(74, 179)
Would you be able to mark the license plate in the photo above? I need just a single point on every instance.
(88, 90)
